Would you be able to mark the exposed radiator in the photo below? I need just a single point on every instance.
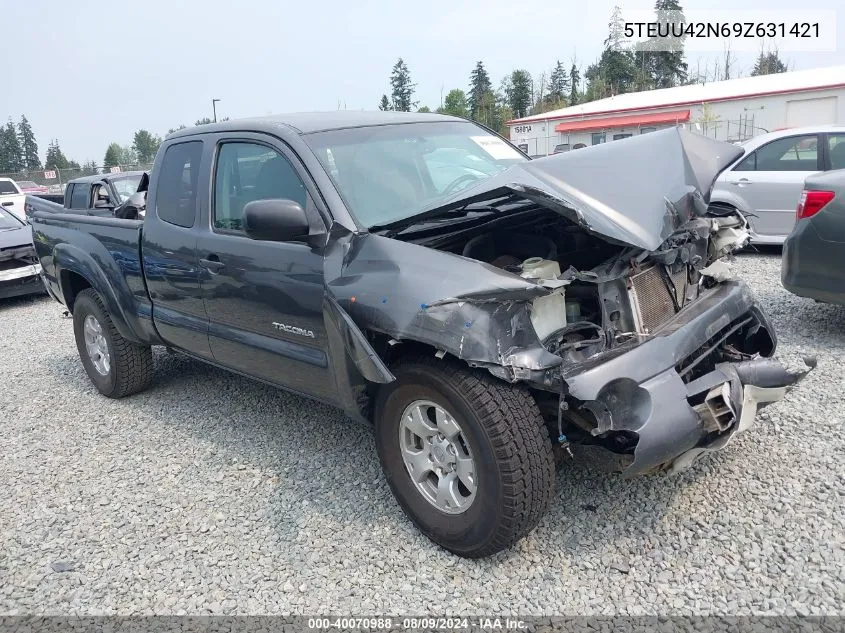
(651, 299)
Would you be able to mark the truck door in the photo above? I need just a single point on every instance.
(171, 264)
(264, 299)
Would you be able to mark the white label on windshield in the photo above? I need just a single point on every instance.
(496, 147)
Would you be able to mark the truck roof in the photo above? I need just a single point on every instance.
(105, 177)
(308, 122)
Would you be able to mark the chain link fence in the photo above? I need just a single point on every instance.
(57, 179)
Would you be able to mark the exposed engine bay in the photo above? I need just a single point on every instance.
(601, 294)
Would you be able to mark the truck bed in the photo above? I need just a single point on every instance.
(106, 251)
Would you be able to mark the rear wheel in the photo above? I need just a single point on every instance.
(117, 367)
(468, 457)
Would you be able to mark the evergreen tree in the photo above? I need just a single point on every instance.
(424, 109)
(668, 66)
(402, 88)
(145, 146)
(615, 30)
(384, 104)
(55, 158)
(29, 147)
(574, 84)
(11, 154)
(114, 153)
(480, 97)
(203, 121)
(519, 93)
(558, 88)
(768, 63)
(455, 104)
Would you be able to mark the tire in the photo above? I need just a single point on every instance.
(509, 446)
(129, 366)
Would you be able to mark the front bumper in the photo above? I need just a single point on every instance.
(24, 280)
(674, 421)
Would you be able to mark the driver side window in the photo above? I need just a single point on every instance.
(247, 172)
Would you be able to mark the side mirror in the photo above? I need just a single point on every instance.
(275, 220)
(133, 208)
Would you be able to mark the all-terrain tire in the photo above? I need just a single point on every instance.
(509, 443)
(131, 365)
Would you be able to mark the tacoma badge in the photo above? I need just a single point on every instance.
(291, 329)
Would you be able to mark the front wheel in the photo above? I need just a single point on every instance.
(117, 367)
(468, 458)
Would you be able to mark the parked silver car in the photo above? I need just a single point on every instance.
(766, 183)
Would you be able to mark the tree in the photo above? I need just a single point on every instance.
(29, 147)
(424, 109)
(11, 154)
(667, 65)
(519, 93)
(89, 168)
(402, 88)
(455, 104)
(145, 146)
(768, 63)
(113, 155)
(182, 126)
(384, 104)
(203, 121)
(574, 84)
(480, 97)
(558, 88)
(55, 158)
(615, 30)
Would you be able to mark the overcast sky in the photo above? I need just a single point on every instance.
(94, 72)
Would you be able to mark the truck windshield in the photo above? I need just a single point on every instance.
(391, 172)
(125, 187)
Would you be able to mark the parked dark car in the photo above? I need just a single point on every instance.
(476, 323)
(99, 195)
(19, 268)
(813, 263)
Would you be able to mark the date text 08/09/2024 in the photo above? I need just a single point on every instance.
(417, 623)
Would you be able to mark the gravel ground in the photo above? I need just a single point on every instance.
(210, 493)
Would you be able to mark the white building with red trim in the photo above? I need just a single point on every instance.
(732, 110)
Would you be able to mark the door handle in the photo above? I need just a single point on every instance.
(213, 264)
(741, 182)
(8, 204)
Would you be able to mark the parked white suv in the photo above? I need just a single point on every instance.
(766, 183)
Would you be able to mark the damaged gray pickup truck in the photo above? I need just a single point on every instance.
(485, 312)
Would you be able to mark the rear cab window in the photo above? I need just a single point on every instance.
(176, 194)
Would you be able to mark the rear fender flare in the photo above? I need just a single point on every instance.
(116, 295)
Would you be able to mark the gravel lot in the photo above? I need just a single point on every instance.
(214, 494)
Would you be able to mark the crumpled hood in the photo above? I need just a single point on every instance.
(637, 191)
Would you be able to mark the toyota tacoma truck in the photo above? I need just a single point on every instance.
(487, 313)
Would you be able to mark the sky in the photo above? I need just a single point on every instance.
(92, 73)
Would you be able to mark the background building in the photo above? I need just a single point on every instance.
(732, 110)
